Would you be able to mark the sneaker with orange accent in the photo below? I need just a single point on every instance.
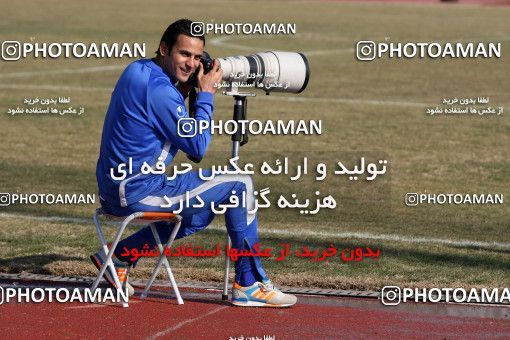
(261, 294)
(122, 269)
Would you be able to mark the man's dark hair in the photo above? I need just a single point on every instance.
(181, 26)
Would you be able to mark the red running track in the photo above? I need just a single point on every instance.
(203, 315)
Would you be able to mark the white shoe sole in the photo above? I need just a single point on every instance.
(260, 304)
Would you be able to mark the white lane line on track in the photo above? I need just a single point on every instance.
(63, 71)
(310, 233)
(97, 305)
(345, 101)
(108, 91)
(218, 41)
(184, 323)
(223, 42)
(86, 307)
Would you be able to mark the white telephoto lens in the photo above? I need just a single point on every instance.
(272, 71)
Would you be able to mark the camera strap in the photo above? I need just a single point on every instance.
(192, 98)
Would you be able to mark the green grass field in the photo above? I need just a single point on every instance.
(373, 109)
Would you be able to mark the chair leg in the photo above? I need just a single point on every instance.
(103, 243)
(109, 252)
(102, 240)
(224, 296)
(163, 260)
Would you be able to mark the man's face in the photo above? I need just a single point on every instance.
(184, 57)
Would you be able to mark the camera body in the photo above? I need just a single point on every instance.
(207, 64)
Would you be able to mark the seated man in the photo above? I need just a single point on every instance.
(141, 124)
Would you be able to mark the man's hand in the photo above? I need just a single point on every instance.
(209, 82)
